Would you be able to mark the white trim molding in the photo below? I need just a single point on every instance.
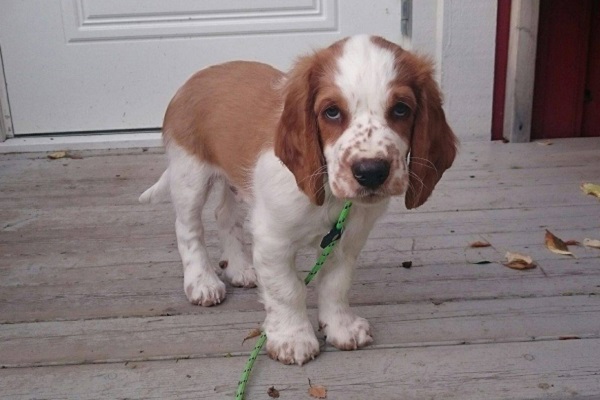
(6, 127)
(32, 144)
(460, 36)
(520, 70)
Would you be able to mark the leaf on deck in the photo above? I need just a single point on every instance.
(479, 244)
(252, 334)
(519, 261)
(318, 392)
(556, 245)
(595, 243)
(57, 155)
(591, 188)
(273, 393)
(482, 262)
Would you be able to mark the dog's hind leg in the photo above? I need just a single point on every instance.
(190, 182)
(157, 193)
(235, 261)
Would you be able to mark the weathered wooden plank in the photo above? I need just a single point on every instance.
(489, 176)
(444, 198)
(513, 371)
(219, 333)
(102, 222)
(387, 242)
(160, 218)
(81, 267)
(107, 297)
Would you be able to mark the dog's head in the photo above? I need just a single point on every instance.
(353, 113)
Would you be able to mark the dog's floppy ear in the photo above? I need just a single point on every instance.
(297, 141)
(433, 144)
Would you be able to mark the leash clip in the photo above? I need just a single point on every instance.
(334, 234)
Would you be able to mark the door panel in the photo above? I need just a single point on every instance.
(591, 105)
(566, 99)
(558, 96)
(105, 65)
(98, 20)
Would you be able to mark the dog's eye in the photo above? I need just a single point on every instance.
(400, 110)
(332, 113)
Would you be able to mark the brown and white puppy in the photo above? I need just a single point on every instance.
(361, 120)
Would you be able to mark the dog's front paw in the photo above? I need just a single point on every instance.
(347, 331)
(239, 273)
(205, 291)
(293, 345)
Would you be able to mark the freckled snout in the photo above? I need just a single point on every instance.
(371, 172)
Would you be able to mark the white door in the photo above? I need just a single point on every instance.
(113, 65)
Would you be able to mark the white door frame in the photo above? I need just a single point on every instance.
(6, 129)
(520, 70)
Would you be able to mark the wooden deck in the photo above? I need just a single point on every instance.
(92, 306)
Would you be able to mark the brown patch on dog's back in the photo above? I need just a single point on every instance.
(225, 115)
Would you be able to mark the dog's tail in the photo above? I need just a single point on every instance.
(159, 192)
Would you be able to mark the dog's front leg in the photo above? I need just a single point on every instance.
(290, 335)
(341, 326)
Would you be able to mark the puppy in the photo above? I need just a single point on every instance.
(360, 120)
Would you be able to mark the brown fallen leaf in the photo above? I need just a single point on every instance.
(252, 334)
(569, 337)
(64, 154)
(481, 262)
(318, 392)
(595, 243)
(273, 393)
(519, 261)
(591, 188)
(57, 155)
(556, 245)
(479, 244)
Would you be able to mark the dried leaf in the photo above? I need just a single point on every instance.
(479, 244)
(482, 262)
(273, 393)
(595, 243)
(318, 392)
(556, 245)
(252, 334)
(57, 154)
(569, 337)
(64, 154)
(572, 242)
(519, 261)
(591, 188)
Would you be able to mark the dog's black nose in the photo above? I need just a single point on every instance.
(371, 173)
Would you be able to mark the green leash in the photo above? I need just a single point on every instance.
(327, 244)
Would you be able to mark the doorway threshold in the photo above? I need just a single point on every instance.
(32, 144)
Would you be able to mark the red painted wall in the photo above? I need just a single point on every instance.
(501, 59)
